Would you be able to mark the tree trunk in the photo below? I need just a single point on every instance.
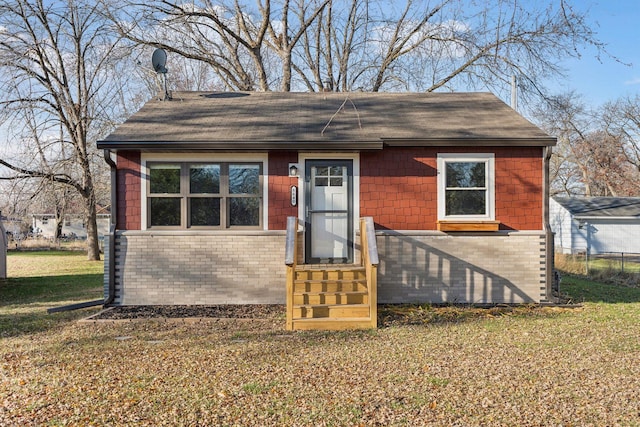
(91, 223)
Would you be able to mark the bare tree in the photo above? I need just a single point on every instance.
(621, 120)
(58, 94)
(239, 44)
(371, 45)
(596, 148)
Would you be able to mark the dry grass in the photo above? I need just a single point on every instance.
(48, 244)
(600, 269)
(439, 366)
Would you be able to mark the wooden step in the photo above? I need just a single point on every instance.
(330, 286)
(339, 297)
(330, 311)
(354, 273)
(332, 324)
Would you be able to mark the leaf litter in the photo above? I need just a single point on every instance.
(430, 366)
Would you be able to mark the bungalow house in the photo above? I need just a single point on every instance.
(453, 187)
(595, 225)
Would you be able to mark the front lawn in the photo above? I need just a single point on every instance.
(530, 366)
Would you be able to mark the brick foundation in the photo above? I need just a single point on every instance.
(163, 268)
(417, 267)
(166, 268)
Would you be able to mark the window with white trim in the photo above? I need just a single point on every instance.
(204, 195)
(466, 187)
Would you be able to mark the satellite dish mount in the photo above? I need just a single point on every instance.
(159, 62)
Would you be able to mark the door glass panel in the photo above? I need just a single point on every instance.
(329, 213)
(329, 235)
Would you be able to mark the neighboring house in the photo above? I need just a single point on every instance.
(73, 226)
(596, 225)
(12, 226)
(454, 182)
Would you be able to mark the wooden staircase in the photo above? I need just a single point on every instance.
(331, 297)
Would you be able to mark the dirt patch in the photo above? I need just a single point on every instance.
(247, 311)
(389, 315)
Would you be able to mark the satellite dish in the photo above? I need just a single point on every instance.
(159, 60)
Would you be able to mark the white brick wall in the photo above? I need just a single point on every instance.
(462, 268)
(248, 267)
(200, 268)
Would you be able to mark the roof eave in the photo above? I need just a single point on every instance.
(472, 141)
(253, 146)
(601, 217)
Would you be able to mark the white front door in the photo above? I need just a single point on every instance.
(329, 224)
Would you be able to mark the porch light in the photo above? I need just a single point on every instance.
(293, 169)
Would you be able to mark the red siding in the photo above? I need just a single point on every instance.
(519, 178)
(129, 208)
(398, 187)
(279, 189)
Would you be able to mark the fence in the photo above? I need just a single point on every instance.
(583, 262)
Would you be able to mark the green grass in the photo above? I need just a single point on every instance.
(580, 289)
(41, 280)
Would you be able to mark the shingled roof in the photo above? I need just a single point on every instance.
(607, 207)
(289, 120)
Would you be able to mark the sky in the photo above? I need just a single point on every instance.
(616, 23)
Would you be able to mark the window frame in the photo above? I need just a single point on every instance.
(185, 194)
(489, 160)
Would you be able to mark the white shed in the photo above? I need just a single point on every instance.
(596, 225)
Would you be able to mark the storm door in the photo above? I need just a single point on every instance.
(328, 211)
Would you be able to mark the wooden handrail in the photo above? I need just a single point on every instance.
(290, 244)
(291, 259)
(370, 260)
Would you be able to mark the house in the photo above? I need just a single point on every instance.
(596, 225)
(73, 225)
(454, 186)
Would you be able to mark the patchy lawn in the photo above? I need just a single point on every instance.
(426, 366)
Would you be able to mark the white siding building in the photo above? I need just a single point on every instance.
(596, 225)
(44, 225)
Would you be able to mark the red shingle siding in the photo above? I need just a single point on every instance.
(279, 189)
(129, 208)
(398, 187)
(519, 178)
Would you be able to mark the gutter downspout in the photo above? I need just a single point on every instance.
(549, 235)
(112, 229)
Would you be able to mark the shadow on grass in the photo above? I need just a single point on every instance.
(24, 301)
(35, 319)
(25, 290)
(579, 289)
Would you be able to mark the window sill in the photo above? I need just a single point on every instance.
(468, 225)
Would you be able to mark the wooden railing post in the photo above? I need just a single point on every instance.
(369, 260)
(291, 259)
